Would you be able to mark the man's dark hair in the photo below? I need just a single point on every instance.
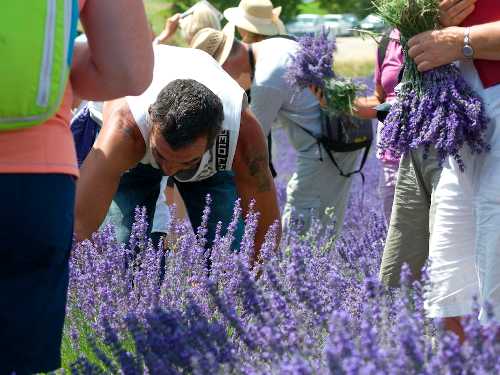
(186, 110)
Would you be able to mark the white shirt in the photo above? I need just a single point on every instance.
(173, 63)
(273, 98)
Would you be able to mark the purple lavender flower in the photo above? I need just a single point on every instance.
(313, 62)
(317, 306)
(446, 115)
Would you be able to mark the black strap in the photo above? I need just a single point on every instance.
(283, 36)
(251, 60)
(330, 155)
(359, 170)
(382, 47)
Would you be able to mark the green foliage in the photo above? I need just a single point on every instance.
(340, 95)
(410, 17)
(158, 10)
(290, 7)
(359, 7)
(313, 7)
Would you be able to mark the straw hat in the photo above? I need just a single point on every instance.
(216, 43)
(256, 16)
(201, 15)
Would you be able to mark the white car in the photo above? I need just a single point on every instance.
(304, 24)
(337, 25)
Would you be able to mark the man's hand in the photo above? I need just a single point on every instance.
(253, 177)
(119, 147)
(435, 48)
(454, 12)
(319, 94)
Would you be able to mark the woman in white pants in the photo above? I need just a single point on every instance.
(464, 247)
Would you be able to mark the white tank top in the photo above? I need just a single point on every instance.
(173, 63)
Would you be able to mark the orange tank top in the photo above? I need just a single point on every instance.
(46, 148)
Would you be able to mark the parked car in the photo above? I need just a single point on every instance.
(337, 24)
(304, 24)
(352, 20)
(373, 22)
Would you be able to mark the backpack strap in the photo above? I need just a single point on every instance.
(251, 61)
(320, 143)
(382, 48)
(359, 170)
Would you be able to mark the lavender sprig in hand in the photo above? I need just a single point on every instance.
(312, 65)
(446, 115)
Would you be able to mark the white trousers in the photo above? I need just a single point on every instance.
(464, 249)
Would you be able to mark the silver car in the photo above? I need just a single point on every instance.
(374, 23)
(304, 24)
(337, 24)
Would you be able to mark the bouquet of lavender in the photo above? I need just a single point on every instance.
(312, 65)
(436, 108)
(313, 62)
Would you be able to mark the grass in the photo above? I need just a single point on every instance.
(351, 69)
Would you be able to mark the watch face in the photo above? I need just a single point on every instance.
(468, 51)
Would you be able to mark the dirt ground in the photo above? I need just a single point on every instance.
(355, 49)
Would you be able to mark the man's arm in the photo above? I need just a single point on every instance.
(364, 107)
(119, 147)
(253, 177)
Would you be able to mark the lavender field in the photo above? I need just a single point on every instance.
(316, 307)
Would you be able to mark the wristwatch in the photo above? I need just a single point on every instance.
(467, 49)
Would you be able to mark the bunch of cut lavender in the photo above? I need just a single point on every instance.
(436, 108)
(313, 62)
(313, 65)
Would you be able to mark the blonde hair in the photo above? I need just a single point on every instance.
(203, 16)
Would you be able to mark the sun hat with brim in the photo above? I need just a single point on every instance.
(217, 43)
(256, 16)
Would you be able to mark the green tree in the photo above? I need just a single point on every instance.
(359, 7)
(289, 7)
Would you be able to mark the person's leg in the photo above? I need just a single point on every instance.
(408, 235)
(139, 187)
(302, 193)
(35, 243)
(222, 190)
(318, 185)
(452, 271)
(488, 221)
